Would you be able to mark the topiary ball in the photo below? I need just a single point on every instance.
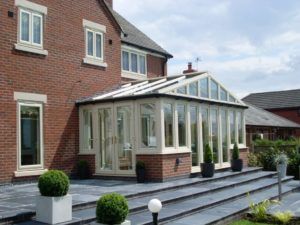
(54, 183)
(112, 209)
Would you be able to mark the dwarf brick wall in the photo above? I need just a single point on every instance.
(163, 167)
(61, 76)
(156, 66)
(244, 156)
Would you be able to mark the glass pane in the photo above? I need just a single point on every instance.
(30, 136)
(98, 45)
(90, 40)
(134, 63)
(124, 133)
(205, 127)
(182, 90)
(168, 116)
(125, 60)
(194, 136)
(37, 29)
(224, 135)
(106, 139)
(181, 112)
(232, 127)
(148, 123)
(88, 130)
(214, 134)
(240, 128)
(25, 26)
(193, 89)
(204, 87)
(231, 98)
(214, 90)
(223, 94)
(142, 64)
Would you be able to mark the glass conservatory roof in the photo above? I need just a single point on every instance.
(199, 86)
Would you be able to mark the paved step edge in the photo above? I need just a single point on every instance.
(219, 202)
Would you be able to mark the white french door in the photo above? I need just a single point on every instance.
(116, 152)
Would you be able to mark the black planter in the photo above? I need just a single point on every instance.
(237, 165)
(83, 173)
(141, 175)
(207, 169)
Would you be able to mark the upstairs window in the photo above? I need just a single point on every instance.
(94, 44)
(134, 62)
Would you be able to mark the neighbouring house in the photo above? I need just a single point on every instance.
(283, 103)
(56, 55)
(266, 125)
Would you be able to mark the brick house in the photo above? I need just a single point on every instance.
(53, 53)
(79, 82)
(282, 103)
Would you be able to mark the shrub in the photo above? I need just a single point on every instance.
(293, 166)
(208, 157)
(54, 183)
(253, 160)
(259, 211)
(235, 152)
(140, 165)
(112, 209)
(268, 159)
(282, 159)
(283, 217)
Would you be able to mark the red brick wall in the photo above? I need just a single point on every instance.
(61, 76)
(156, 66)
(244, 156)
(162, 167)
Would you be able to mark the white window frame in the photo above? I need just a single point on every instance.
(82, 149)
(129, 73)
(95, 33)
(37, 166)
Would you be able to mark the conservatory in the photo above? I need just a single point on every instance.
(165, 122)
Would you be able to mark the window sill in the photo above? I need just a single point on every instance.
(94, 62)
(134, 76)
(28, 173)
(31, 49)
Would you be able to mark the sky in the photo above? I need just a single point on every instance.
(247, 45)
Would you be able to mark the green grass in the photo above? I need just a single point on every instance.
(247, 222)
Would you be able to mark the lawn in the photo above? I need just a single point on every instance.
(247, 222)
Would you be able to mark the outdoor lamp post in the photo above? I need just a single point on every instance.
(155, 206)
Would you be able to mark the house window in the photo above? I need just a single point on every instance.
(181, 113)
(88, 134)
(168, 124)
(30, 135)
(214, 89)
(204, 88)
(148, 126)
(134, 62)
(94, 44)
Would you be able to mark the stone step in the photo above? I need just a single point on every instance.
(178, 209)
(226, 212)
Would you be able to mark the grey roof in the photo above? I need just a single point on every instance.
(134, 36)
(255, 116)
(275, 99)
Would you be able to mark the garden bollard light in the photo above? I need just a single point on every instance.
(155, 206)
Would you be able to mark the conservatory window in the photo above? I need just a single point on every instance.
(193, 89)
(182, 90)
(239, 127)
(168, 124)
(223, 94)
(205, 127)
(194, 135)
(181, 112)
(204, 88)
(214, 89)
(231, 98)
(148, 123)
(224, 135)
(214, 134)
(232, 126)
(88, 141)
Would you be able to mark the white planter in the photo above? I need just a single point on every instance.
(281, 168)
(53, 210)
(126, 222)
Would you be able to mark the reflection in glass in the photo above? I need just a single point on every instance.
(214, 89)
(30, 132)
(232, 127)
(205, 127)
(223, 94)
(134, 63)
(181, 112)
(106, 139)
(194, 135)
(214, 133)
(98, 46)
(142, 64)
(193, 89)
(182, 90)
(204, 88)
(124, 133)
(148, 123)
(240, 128)
(88, 130)
(90, 38)
(224, 135)
(168, 124)
(37, 29)
(25, 26)
(125, 60)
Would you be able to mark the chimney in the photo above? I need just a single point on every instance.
(110, 2)
(190, 69)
